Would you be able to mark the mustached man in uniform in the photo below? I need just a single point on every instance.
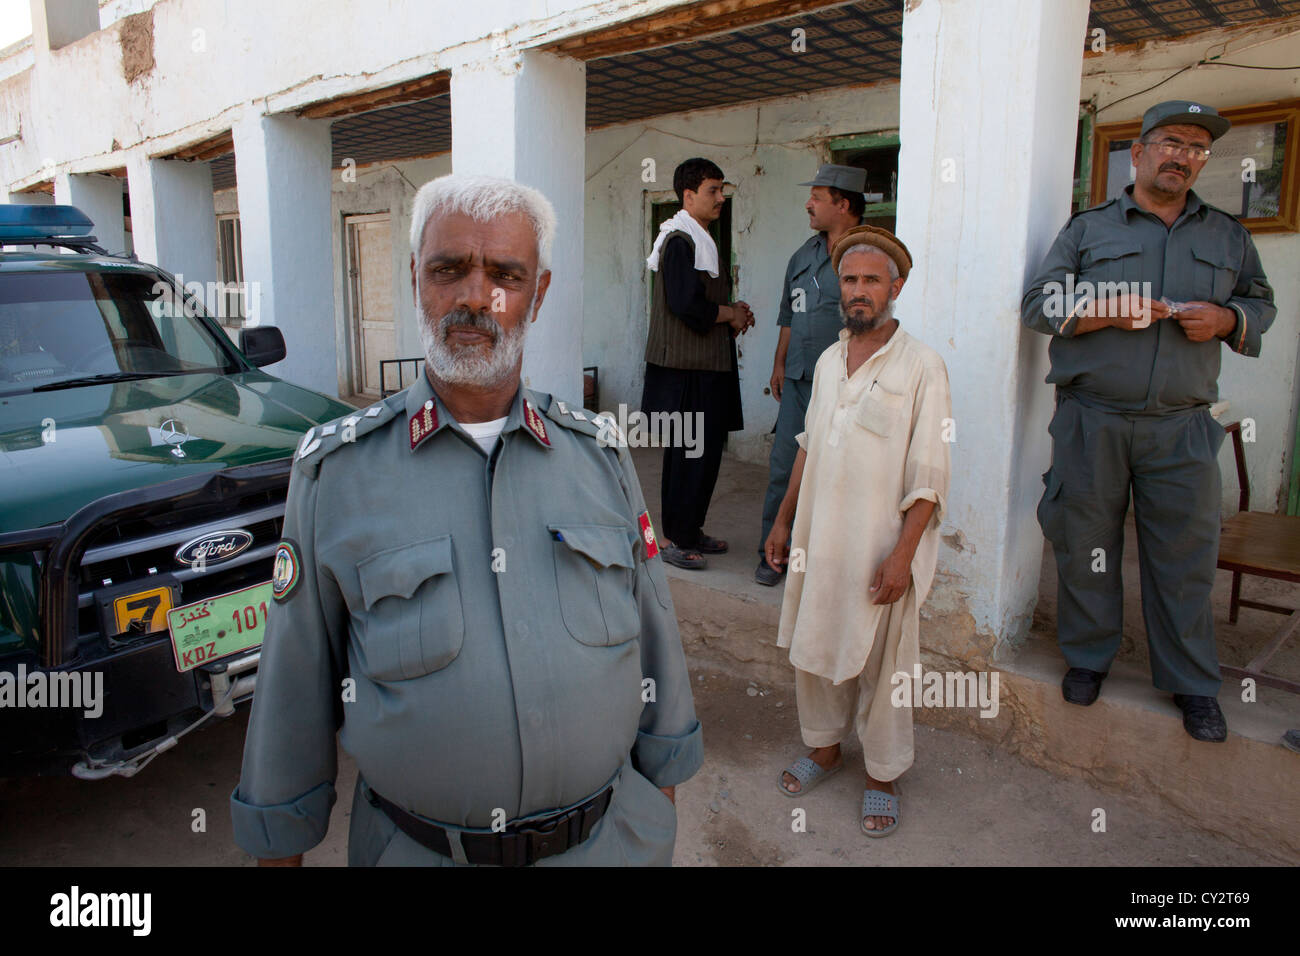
(1135, 377)
(469, 595)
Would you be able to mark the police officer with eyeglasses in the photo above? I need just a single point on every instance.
(1163, 281)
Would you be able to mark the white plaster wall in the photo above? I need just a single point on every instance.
(765, 151)
(378, 188)
(523, 117)
(213, 57)
(386, 188)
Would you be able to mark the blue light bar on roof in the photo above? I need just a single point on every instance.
(31, 222)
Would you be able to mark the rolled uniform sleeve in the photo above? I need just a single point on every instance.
(669, 746)
(282, 804)
(927, 469)
(1044, 307)
(1252, 300)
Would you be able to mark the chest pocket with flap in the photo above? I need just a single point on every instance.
(413, 622)
(594, 572)
(880, 411)
(1111, 260)
(1215, 273)
(804, 279)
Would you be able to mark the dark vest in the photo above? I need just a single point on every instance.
(674, 344)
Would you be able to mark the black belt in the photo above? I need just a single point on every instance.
(516, 845)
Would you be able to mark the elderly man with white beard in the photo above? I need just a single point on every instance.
(869, 481)
(469, 594)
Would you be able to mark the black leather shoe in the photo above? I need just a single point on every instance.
(1202, 717)
(766, 574)
(1081, 686)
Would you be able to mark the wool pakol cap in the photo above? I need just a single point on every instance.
(882, 239)
(1184, 112)
(848, 179)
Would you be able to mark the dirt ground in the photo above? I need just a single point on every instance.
(963, 803)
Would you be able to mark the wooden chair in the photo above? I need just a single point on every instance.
(1267, 545)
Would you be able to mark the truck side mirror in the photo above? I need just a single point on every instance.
(262, 346)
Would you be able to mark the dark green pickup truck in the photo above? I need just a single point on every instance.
(144, 463)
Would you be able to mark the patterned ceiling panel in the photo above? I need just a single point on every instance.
(841, 46)
(1130, 21)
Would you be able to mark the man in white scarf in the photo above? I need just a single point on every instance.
(691, 359)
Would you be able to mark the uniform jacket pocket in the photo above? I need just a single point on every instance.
(1216, 273)
(804, 279)
(880, 411)
(412, 622)
(594, 574)
(1111, 260)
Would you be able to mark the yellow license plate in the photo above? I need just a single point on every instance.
(143, 611)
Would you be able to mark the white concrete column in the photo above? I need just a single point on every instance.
(523, 116)
(99, 196)
(27, 199)
(282, 164)
(985, 174)
(173, 221)
(57, 23)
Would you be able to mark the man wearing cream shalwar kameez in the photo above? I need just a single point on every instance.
(875, 445)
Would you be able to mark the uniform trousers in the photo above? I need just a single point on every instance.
(1169, 464)
(795, 393)
(828, 711)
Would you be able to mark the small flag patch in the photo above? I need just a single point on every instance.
(648, 535)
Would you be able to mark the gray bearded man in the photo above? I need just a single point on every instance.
(859, 527)
(489, 633)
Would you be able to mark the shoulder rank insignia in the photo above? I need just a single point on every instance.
(566, 410)
(423, 423)
(309, 443)
(321, 441)
(533, 422)
(285, 570)
(610, 434)
(648, 535)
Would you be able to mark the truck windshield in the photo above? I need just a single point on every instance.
(70, 326)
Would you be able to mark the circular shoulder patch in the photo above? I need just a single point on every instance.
(285, 570)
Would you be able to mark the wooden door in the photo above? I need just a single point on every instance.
(370, 276)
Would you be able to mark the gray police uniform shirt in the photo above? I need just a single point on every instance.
(1207, 255)
(493, 618)
(809, 277)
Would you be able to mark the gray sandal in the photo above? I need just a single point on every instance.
(877, 803)
(809, 773)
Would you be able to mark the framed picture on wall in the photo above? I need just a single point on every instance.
(1253, 171)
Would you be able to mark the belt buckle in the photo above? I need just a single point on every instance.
(545, 839)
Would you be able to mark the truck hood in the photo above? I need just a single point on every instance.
(61, 450)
